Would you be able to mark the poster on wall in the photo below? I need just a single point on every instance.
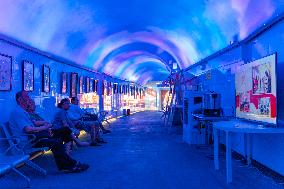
(256, 90)
(28, 76)
(91, 85)
(45, 78)
(87, 84)
(63, 83)
(96, 85)
(73, 87)
(81, 83)
(5, 73)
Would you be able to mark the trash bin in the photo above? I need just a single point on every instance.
(124, 112)
(128, 112)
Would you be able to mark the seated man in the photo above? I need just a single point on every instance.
(64, 133)
(62, 119)
(21, 124)
(76, 113)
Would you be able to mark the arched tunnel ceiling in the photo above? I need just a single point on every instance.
(135, 40)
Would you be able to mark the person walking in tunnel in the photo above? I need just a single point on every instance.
(21, 124)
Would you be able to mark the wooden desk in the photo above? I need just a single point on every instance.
(238, 126)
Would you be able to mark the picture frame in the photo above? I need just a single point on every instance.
(28, 76)
(74, 84)
(5, 73)
(45, 79)
(81, 83)
(87, 84)
(96, 85)
(92, 85)
(64, 83)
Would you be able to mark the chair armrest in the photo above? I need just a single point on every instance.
(11, 146)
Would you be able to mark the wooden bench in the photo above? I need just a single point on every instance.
(13, 155)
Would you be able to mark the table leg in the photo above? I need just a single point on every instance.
(248, 148)
(216, 148)
(228, 157)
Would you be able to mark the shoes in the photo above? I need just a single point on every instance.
(105, 131)
(79, 167)
(83, 166)
(94, 144)
(101, 141)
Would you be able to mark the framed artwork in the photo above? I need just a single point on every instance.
(73, 87)
(108, 88)
(5, 73)
(114, 88)
(45, 78)
(96, 85)
(81, 83)
(92, 85)
(28, 76)
(87, 84)
(63, 83)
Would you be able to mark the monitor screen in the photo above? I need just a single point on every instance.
(256, 90)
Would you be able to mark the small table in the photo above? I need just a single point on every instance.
(207, 120)
(238, 126)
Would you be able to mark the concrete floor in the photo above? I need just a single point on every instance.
(141, 154)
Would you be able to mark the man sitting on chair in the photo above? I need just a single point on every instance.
(21, 124)
(76, 115)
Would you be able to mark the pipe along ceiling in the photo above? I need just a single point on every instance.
(139, 41)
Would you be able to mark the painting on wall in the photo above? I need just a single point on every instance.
(81, 83)
(87, 84)
(45, 78)
(96, 85)
(28, 76)
(5, 73)
(74, 81)
(63, 83)
(92, 85)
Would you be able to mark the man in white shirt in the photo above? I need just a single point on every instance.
(75, 114)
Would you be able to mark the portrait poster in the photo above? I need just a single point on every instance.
(91, 85)
(28, 76)
(63, 83)
(74, 81)
(5, 73)
(87, 84)
(45, 78)
(81, 84)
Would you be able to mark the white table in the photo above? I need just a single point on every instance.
(238, 126)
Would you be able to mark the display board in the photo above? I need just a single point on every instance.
(256, 90)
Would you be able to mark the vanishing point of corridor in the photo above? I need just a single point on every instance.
(142, 153)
